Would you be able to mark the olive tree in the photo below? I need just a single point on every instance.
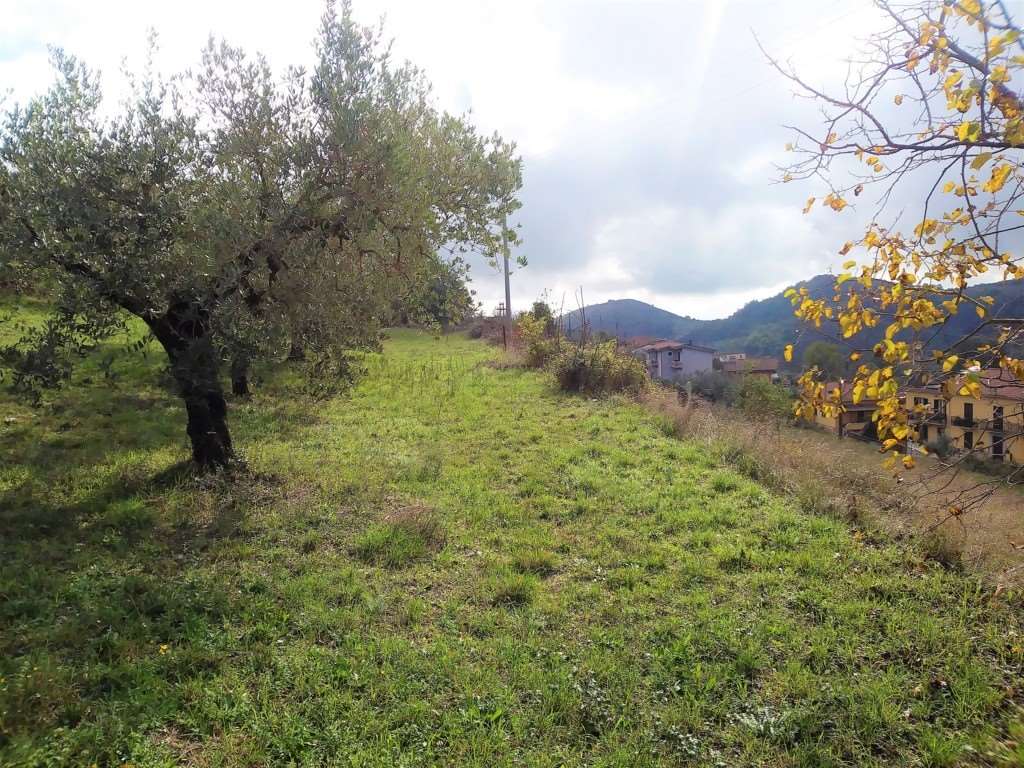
(931, 119)
(240, 214)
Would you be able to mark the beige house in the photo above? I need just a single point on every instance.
(855, 418)
(762, 367)
(991, 425)
(994, 423)
(928, 411)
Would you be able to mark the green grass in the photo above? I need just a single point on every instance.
(455, 565)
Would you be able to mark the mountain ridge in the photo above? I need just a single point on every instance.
(765, 326)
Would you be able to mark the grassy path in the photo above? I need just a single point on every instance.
(456, 566)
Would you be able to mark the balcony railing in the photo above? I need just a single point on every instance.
(963, 421)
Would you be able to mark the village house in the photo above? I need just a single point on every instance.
(854, 420)
(761, 367)
(675, 360)
(992, 424)
(928, 411)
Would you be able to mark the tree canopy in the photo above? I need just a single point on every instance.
(239, 213)
(928, 114)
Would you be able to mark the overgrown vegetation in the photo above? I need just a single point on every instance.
(457, 565)
(583, 365)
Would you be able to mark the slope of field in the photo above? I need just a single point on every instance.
(455, 565)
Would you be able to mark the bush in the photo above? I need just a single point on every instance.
(599, 369)
(715, 386)
(941, 446)
(535, 333)
(763, 401)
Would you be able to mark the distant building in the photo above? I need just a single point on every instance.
(762, 367)
(731, 356)
(675, 360)
(855, 419)
(991, 425)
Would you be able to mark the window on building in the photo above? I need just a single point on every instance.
(968, 411)
(924, 433)
(968, 438)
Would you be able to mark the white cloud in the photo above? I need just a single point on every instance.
(648, 129)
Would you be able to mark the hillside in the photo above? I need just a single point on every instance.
(764, 327)
(455, 565)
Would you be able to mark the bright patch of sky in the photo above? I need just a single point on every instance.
(648, 129)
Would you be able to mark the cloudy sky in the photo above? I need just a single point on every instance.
(648, 129)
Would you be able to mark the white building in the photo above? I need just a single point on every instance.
(675, 360)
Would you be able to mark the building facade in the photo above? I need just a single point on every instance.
(990, 426)
(675, 360)
(762, 367)
(855, 419)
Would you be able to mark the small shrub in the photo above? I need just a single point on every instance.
(715, 386)
(599, 369)
(724, 482)
(512, 589)
(405, 536)
(534, 560)
(939, 548)
(763, 401)
(536, 334)
(941, 446)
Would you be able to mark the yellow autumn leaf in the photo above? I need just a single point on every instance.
(908, 462)
(787, 353)
(998, 179)
(970, 131)
(949, 363)
(980, 160)
(898, 99)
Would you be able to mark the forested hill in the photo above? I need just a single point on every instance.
(764, 327)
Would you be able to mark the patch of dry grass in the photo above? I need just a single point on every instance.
(845, 479)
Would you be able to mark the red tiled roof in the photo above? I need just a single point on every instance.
(996, 382)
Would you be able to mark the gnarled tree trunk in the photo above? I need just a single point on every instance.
(184, 334)
(240, 376)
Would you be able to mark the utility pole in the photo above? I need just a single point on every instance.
(508, 290)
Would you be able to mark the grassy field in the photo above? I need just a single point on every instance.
(454, 565)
